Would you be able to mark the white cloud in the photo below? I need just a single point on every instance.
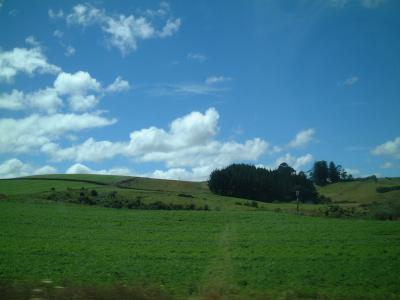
(119, 85)
(124, 32)
(45, 100)
(31, 40)
(80, 89)
(12, 101)
(387, 165)
(217, 79)
(354, 172)
(390, 148)
(58, 34)
(15, 168)
(22, 60)
(170, 28)
(295, 162)
(189, 142)
(32, 132)
(82, 169)
(302, 138)
(69, 51)
(197, 57)
(350, 81)
(56, 14)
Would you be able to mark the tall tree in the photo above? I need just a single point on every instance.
(320, 173)
(333, 173)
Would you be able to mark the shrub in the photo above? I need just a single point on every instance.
(337, 211)
(388, 210)
(94, 193)
(185, 195)
(385, 189)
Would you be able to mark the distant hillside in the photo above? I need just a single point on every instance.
(361, 191)
(69, 187)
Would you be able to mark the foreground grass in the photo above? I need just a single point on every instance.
(200, 254)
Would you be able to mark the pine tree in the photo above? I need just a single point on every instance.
(320, 173)
(333, 173)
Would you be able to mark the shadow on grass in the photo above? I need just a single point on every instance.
(49, 291)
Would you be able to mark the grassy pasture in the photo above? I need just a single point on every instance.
(234, 251)
(200, 254)
(28, 187)
(360, 191)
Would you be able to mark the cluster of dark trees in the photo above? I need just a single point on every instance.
(250, 182)
(322, 174)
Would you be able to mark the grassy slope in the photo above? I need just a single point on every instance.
(360, 191)
(201, 253)
(150, 190)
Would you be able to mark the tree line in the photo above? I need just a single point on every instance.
(322, 174)
(250, 182)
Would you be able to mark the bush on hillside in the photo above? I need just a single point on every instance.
(385, 189)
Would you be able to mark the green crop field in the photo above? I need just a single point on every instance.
(53, 249)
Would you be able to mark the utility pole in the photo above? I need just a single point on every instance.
(297, 198)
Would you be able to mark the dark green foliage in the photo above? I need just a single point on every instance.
(337, 211)
(185, 195)
(113, 200)
(320, 173)
(249, 182)
(333, 173)
(385, 189)
(94, 193)
(387, 210)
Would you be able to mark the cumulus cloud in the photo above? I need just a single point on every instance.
(295, 162)
(12, 101)
(303, 138)
(124, 32)
(390, 148)
(15, 168)
(22, 60)
(82, 169)
(188, 143)
(197, 57)
(119, 85)
(353, 172)
(80, 89)
(217, 79)
(46, 100)
(32, 132)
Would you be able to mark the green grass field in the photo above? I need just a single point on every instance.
(360, 191)
(200, 253)
(233, 251)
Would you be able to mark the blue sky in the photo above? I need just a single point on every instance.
(176, 89)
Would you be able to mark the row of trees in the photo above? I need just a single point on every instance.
(323, 174)
(250, 182)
